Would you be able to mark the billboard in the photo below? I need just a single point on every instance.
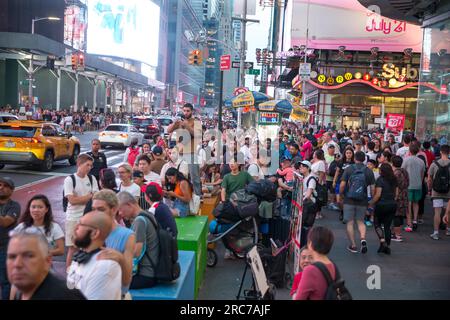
(334, 23)
(128, 29)
(75, 25)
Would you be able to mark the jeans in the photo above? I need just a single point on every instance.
(384, 214)
(4, 283)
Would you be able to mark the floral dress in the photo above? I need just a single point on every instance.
(402, 200)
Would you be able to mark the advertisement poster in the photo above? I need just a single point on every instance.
(395, 124)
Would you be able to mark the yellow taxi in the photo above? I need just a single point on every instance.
(36, 143)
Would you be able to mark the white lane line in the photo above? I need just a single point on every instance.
(52, 174)
(35, 182)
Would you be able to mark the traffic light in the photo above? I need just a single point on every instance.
(74, 62)
(81, 61)
(258, 55)
(195, 57)
(51, 62)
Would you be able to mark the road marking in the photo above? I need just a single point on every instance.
(52, 174)
(34, 183)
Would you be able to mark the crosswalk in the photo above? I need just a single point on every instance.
(113, 156)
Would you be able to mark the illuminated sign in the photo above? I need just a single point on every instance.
(391, 71)
(321, 78)
(269, 118)
(358, 75)
(339, 79)
(348, 76)
(330, 80)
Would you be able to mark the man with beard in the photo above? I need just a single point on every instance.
(194, 129)
(9, 213)
(96, 279)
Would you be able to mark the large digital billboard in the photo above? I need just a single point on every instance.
(124, 28)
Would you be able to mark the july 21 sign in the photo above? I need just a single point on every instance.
(395, 123)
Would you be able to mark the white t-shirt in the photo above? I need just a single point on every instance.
(246, 152)
(317, 167)
(183, 167)
(134, 189)
(96, 279)
(153, 177)
(372, 155)
(56, 233)
(255, 171)
(82, 187)
(309, 182)
(402, 152)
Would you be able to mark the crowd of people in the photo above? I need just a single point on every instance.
(110, 234)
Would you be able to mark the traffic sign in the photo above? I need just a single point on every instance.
(225, 61)
(255, 72)
(247, 65)
(304, 71)
(239, 90)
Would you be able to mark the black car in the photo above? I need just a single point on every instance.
(148, 126)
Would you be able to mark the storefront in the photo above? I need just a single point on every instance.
(433, 110)
(360, 96)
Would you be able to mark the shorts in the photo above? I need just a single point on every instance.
(182, 207)
(352, 212)
(70, 232)
(414, 195)
(440, 203)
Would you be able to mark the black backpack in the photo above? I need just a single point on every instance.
(322, 192)
(332, 168)
(336, 289)
(264, 190)
(168, 268)
(441, 179)
(65, 201)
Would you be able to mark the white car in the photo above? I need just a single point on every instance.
(165, 122)
(5, 117)
(119, 135)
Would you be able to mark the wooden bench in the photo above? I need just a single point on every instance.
(192, 236)
(181, 289)
(208, 206)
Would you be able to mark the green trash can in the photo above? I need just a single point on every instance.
(192, 236)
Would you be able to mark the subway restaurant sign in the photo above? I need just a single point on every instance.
(390, 76)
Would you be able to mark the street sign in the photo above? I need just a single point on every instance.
(255, 72)
(247, 65)
(225, 61)
(239, 90)
(380, 120)
(304, 71)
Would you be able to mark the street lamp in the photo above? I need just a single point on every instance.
(31, 69)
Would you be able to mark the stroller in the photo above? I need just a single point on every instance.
(236, 224)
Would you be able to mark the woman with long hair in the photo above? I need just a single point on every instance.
(182, 194)
(319, 169)
(384, 201)
(342, 164)
(402, 197)
(38, 214)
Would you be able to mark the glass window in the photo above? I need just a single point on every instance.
(117, 128)
(20, 132)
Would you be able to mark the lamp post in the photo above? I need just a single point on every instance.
(31, 68)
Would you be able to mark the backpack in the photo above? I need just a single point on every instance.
(322, 192)
(441, 179)
(264, 190)
(134, 153)
(225, 213)
(65, 201)
(332, 168)
(356, 185)
(194, 204)
(246, 204)
(167, 268)
(336, 289)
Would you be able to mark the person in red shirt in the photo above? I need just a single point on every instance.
(306, 149)
(313, 285)
(428, 153)
(305, 260)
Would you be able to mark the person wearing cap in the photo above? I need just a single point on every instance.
(9, 213)
(162, 212)
(139, 179)
(158, 159)
(309, 193)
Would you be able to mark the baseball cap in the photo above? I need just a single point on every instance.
(153, 190)
(8, 181)
(157, 150)
(138, 174)
(306, 163)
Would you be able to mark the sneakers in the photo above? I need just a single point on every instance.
(341, 216)
(368, 223)
(229, 255)
(352, 249)
(434, 236)
(448, 232)
(333, 206)
(414, 226)
(420, 221)
(408, 229)
(396, 238)
(363, 246)
(384, 248)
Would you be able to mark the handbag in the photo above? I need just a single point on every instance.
(194, 204)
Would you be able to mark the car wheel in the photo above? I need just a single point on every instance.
(47, 163)
(74, 157)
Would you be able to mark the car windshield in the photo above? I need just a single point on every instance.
(7, 118)
(142, 122)
(19, 132)
(165, 122)
(117, 128)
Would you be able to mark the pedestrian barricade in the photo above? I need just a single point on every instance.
(181, 289)
(192, 236)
